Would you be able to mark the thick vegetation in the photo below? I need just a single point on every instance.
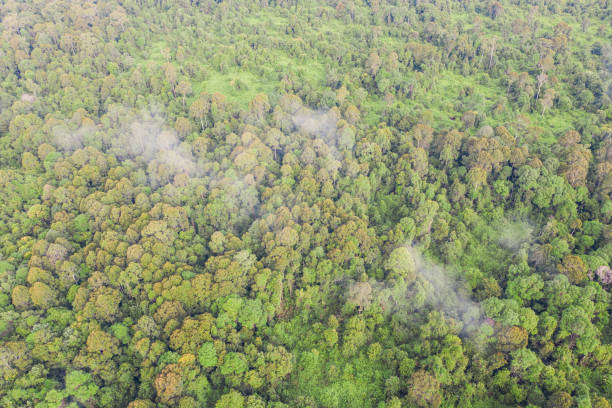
(322, 203)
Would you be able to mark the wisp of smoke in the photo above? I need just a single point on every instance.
(435, 286)
(511, 235)
(321, 125)
(446, 293)
(145, 137)
(67, 140)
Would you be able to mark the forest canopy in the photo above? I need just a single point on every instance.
(321, 204)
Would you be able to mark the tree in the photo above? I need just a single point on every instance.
(352, 114)
(604, 275)
(183, 128)
(199, 110)
(548, 100)
(490, 44)
(574, 268)
(207, 355)
(183, 87)
(79, 384)
(542, 78)
(232, 399)
(495, 10)
(275, 139)
(251, 314)
(511, 338)
(354, 335)
(560, 399)
(423, 135)
(234, 364)
(424, 389)
(21, 297)
(360, 293)
(259, 106)
(373, 63)
(526, 365)
(401, 264)
(171, 76)
(169, 384)
(42, 295)
(576, 165)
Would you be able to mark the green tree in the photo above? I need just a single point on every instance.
(207, 355)
(401, 264)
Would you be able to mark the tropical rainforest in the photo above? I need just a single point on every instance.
(305, 203)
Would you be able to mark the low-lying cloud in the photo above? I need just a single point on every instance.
(435, 287)
(512, 234)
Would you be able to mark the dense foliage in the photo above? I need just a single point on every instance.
(322, 203)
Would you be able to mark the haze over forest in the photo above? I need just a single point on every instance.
(305, 203)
